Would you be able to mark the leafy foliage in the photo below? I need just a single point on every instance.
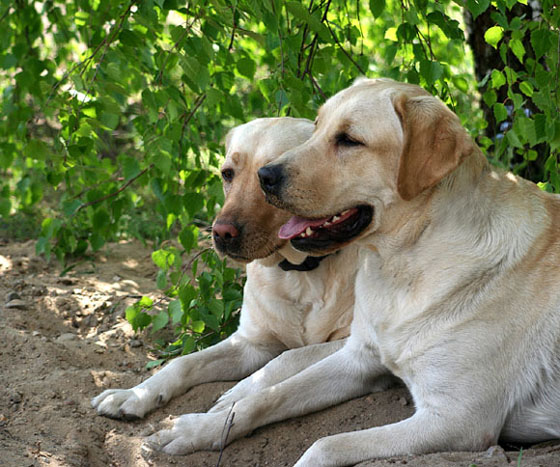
(113, 112)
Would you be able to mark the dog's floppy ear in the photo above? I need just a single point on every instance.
(435, 143)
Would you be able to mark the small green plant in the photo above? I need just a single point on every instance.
(201, 301)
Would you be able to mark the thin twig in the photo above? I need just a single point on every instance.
(316, 84)
(227, 428)
(303, 39)
(233, 28)
(193, 259)
(115, 193)
(96, 185)
(3, 17)
(314, 43)
(199, 100)
(356, 64)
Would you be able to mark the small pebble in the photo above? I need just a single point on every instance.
(403, 401)
(15, 397)
(16, 303)
(66, 337)
(135, 343)
(12, 295)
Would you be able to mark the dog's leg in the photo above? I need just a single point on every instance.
(287, 364)
(232, 359)
(343, 375)
(426, 431)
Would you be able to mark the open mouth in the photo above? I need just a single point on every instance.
(328, 232)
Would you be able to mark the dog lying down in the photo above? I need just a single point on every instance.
(458, 288)
(290, 301)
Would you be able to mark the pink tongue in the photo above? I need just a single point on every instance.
(297, 225)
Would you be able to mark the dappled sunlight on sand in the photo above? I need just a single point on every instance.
(5, 264)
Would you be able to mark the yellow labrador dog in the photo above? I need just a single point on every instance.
(458, 291)
(291, 301)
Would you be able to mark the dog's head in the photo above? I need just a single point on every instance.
(247, 227)
(376, 144)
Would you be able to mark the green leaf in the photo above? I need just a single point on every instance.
(175, 311)
(163, 162)
(431, 71)
(69, 207)
(198, 326)
(477, 7)
(96, 241)
(406, 32)
(513, 139)
(36, 149)
(161, 280)
(5, 207)
(526, 88)
(216, 307)
(541, 41)
(511, 75)
(494, 35)
(376, 7)
(517, 48)
(101, 219)
(193, 203)
(246, 67)
(109, 120)
(186, 294)
(163, 259)
(188, 237)
(498, 79)
(160, 320)
(500, 112)
(137, 319)
(154, 363)
(146, 302)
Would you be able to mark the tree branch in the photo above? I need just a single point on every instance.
(343, 50)
(115, 193)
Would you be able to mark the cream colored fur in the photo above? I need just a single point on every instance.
(458, 291)
(306, 311)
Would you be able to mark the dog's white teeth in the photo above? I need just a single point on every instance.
(308, 231)
(335, 218)
(326, 224)
(344, 212)
(302, 235)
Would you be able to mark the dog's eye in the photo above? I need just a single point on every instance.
(227, 175)
(343, 139)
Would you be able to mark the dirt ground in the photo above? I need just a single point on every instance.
(65, 339)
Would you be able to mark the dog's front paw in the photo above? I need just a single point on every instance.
(319, 454)
(126, 404)
(190, 433)
(229, 398)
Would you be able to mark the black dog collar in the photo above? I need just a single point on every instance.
(310, 263)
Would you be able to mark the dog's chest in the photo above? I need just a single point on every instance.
(388, 313)
(298, 308)
(324, 311)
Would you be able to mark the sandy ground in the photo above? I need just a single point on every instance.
(64, 340)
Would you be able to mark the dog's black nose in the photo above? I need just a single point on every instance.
(271, 178)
